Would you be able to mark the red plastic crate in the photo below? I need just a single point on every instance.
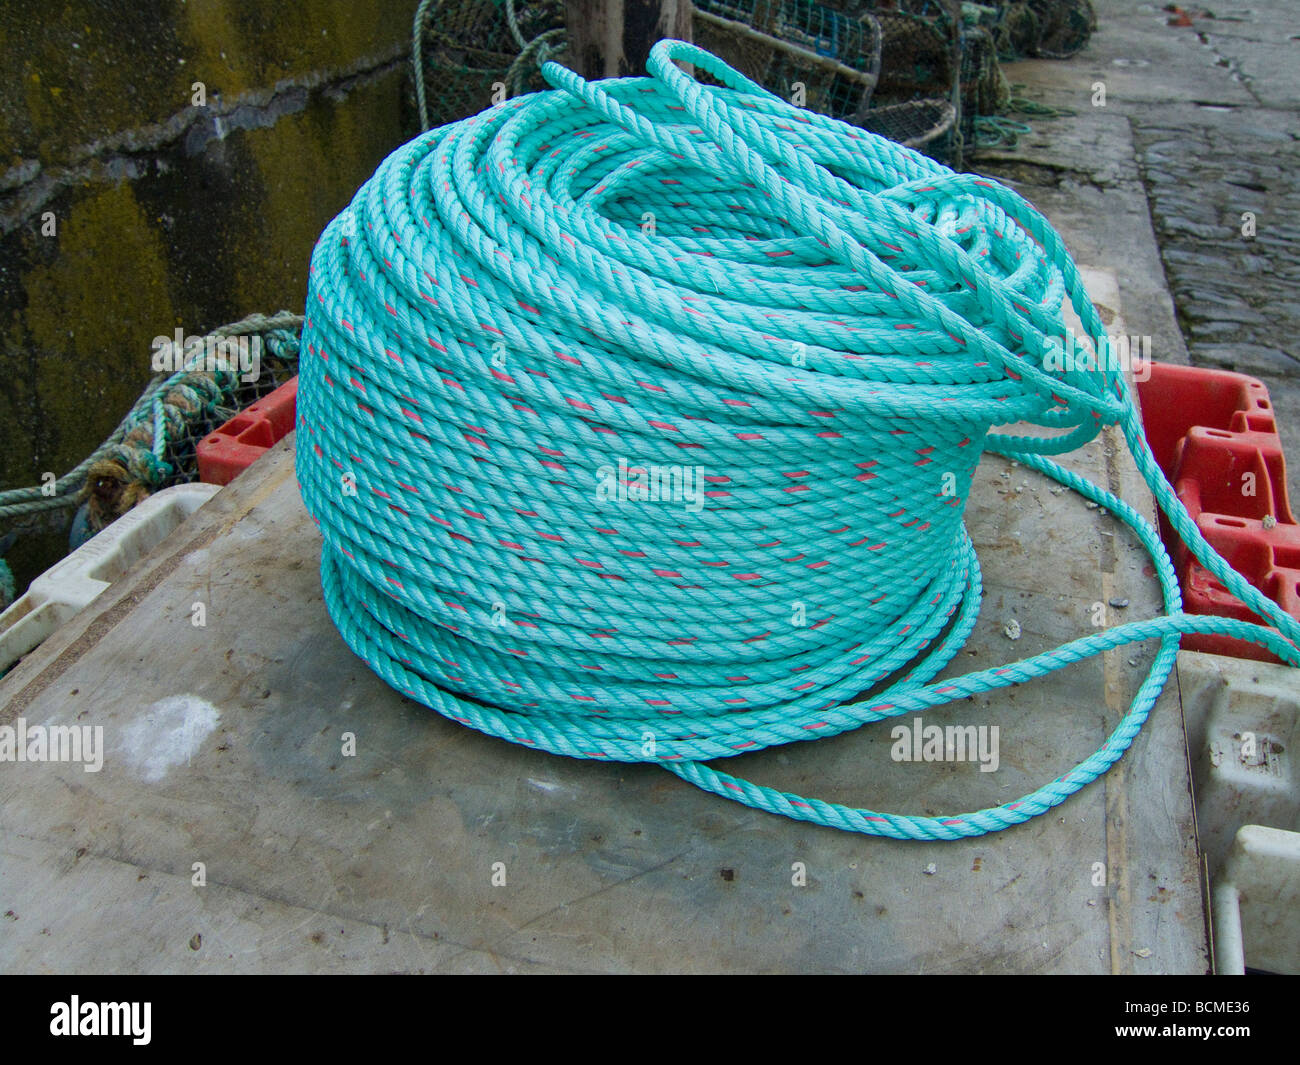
(226, 453)
(1214, 435)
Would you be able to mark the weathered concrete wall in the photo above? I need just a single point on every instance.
(166, 214)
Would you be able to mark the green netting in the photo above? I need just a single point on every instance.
(925, 125)
(858, 60)
(796, 49)
(945, 49)
(467, 52)
(984, 88)
(920, 63)
(1041, 29)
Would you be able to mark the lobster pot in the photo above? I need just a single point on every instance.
(801, 51)
(468, 49)
(929, 126)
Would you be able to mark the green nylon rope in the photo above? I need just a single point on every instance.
(823, 323)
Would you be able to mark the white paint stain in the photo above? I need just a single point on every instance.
(168, 733)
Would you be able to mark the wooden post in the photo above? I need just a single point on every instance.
(612, 38)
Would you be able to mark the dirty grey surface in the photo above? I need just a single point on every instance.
(224, 748)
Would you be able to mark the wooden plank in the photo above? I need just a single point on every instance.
(609, 39)
(609, 868)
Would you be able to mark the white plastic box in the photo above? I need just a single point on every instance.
(68, 586)
(1243, 728)
(1257, 903)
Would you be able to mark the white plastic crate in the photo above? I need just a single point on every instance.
(1257, 903)
(1243, 727)
(68, 586)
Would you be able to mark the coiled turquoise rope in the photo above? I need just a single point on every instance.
(824, 323)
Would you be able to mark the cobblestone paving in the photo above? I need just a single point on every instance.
(1238, 297)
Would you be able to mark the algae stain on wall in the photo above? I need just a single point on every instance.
(308, 167)
(247, 46)
(90, 315)
(167, 216)
(84, 71)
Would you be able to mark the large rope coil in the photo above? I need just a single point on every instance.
(799, 333)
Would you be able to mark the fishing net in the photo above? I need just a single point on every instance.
(278, 364)
(925, 125)
(472, 53)
(907, 48)
(466, 52)
(984, 88)
(1064, 26)
(857, 60)
(801, 51)
(1042, 29)
(947, 50)
(920, 63)
(159, 445)
(1015, 29)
